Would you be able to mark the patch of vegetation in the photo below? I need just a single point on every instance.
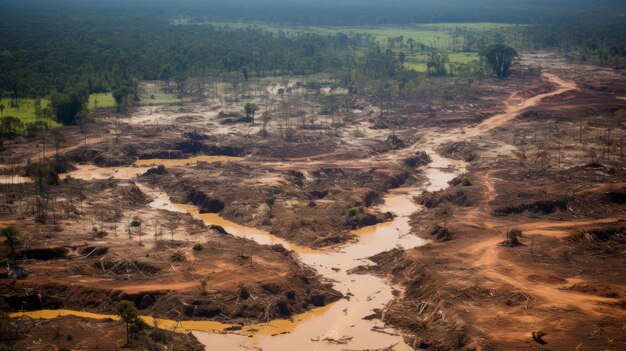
(512, 238)
(100, 100)
(129, 313)
(353, 211)
(27, 110)
(270, 201)
(466, 182)
(358, 134)
(10, 235)
(197, 247)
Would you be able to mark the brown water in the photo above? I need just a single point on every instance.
(308, 331)
(89, 172)
(344, 318)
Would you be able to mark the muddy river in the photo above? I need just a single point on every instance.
(314, 330)
(342, 320)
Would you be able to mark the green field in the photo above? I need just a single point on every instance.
(435, 35)
(473, 26)
(25, 110)
(152, 94)
(100, 100)
(439, 36)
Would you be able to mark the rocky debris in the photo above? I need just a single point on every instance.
(421, 158)
(434, 199)
(165, 154)
(233, 117)
(205, 203)
(15, 272)
(441, 234)
(459, 150)
(244, 119)
(545, 206)
(394, 142)
(159, 170)
(194, 135)
(378, 124)
(318, 194)
(218, 229)
(102, 158)
(360, 220)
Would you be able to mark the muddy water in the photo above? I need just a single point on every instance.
(313, 330)
(89, 172)
(342, 320)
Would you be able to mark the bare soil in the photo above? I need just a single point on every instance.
(555, 174)
(72, 333)
(550, 163)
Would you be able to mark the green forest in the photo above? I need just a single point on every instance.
(72, 52)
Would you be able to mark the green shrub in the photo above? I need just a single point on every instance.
(135, 223)
(352, 211)
(512, 237)
(466, 182)
(197, 247)
(358, 134)
(69, 337)
(270, 201)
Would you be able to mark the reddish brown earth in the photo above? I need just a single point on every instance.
(553, 174)
(74, 333)
(556, 172)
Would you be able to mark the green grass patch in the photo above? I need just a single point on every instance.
(436, 35)
(462, 57)
(100, 100)
(418, 61)
(151, 94)
(25, 110)
(472, 26)
(416, 66)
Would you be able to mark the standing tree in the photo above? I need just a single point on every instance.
(10, 233)
(68, 104)
(265, 117)
(1, 109)
(244, 71)
(270, 203)
(499, 57)
(129, 314)
(250, 110)
(121, 96)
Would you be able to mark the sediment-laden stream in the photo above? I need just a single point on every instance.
(322, 327)
(342, 320)
(340, 325)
